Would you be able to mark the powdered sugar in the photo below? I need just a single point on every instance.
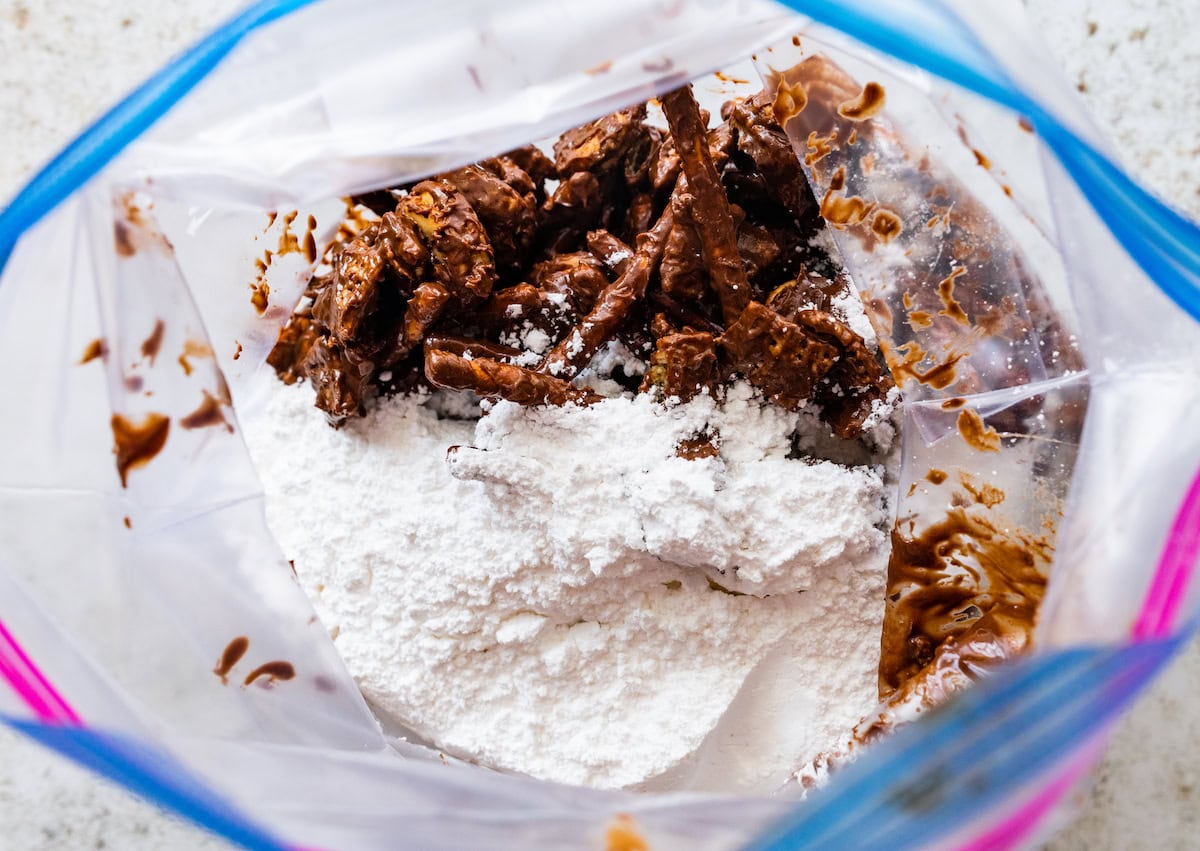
(551, 598)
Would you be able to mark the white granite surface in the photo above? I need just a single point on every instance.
(1137, 63)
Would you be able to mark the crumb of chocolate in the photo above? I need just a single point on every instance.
(207, 415)
(230, 656)
(153, 343)
(273, 671)
(950, 306)
(622, 835)
(259, 296)
(136, 444)
(976, 433)
(97, 348)
(869, 103)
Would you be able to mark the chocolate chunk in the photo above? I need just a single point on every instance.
(511, 309)
(468, 348)
(854, 383)
(682, 365)
(517, 178)
(423, 310)
(664, 167)
(803, 293)
(577, 275)
(485, 255)
(682, 273)
(599, 143)
(757, 247)
(532, 162)
(721, 141)
(639, 214)
(351, 293)
(509, 216)
(342, 382)
(776, 355)
(397, 241)
(570, 212)
(763, 140)
(356, 302)
(459, 248)
(291, 348)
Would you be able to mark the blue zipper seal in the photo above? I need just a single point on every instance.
(153, 775)
(96, 146)
(924, 780)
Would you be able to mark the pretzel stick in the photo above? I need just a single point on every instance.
(714, 221)
(491, 379)
(575, 350)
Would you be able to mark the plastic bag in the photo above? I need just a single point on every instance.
(117, 600)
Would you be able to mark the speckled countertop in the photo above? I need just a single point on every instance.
(1136, 64)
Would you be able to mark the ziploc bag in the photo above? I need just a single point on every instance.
(116, 601)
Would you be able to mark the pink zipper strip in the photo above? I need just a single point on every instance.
(1020, 824)
(1172, 577)
(1164, 598)
(31, 684)
(27, 693)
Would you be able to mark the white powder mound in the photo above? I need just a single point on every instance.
(548, 599)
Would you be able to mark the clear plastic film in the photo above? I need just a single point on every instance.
(951, 251)
(152, 295)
